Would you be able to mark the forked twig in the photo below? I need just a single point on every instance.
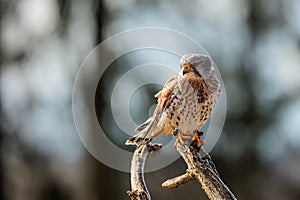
(200, 168)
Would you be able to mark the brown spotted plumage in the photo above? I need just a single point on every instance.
(184, 103)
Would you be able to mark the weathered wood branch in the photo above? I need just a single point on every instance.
(139, 189)
(202, 169)
(176, 181)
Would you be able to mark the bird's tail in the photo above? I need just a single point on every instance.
(145, 133)
(138, 140)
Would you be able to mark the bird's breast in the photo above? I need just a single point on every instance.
(189, 108)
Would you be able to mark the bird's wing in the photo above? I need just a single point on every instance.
(163, 97)
(166, 94)
(143, 125)
(150, 129)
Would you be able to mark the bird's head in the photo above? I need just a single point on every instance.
(198, 64)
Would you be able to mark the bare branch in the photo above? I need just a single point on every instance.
(139, 189)
(179, 180)
(202, 169)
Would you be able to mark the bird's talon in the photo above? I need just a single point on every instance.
(175, 133)
(199, 133)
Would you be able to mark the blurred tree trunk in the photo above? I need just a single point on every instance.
(1, 157)
(99, 178)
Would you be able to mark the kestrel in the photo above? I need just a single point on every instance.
(185, 102)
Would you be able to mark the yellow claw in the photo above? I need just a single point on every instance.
(180, 138)
(198, 140)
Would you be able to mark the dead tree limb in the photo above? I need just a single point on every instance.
(139, 189)
(202, 169)
(176, 181)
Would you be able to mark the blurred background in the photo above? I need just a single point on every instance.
(255, 44)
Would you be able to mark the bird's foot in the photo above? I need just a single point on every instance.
(180, 137)
(196, 138)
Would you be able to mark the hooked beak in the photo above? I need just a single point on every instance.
(185, 71)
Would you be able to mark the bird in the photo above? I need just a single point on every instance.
(184, 103)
